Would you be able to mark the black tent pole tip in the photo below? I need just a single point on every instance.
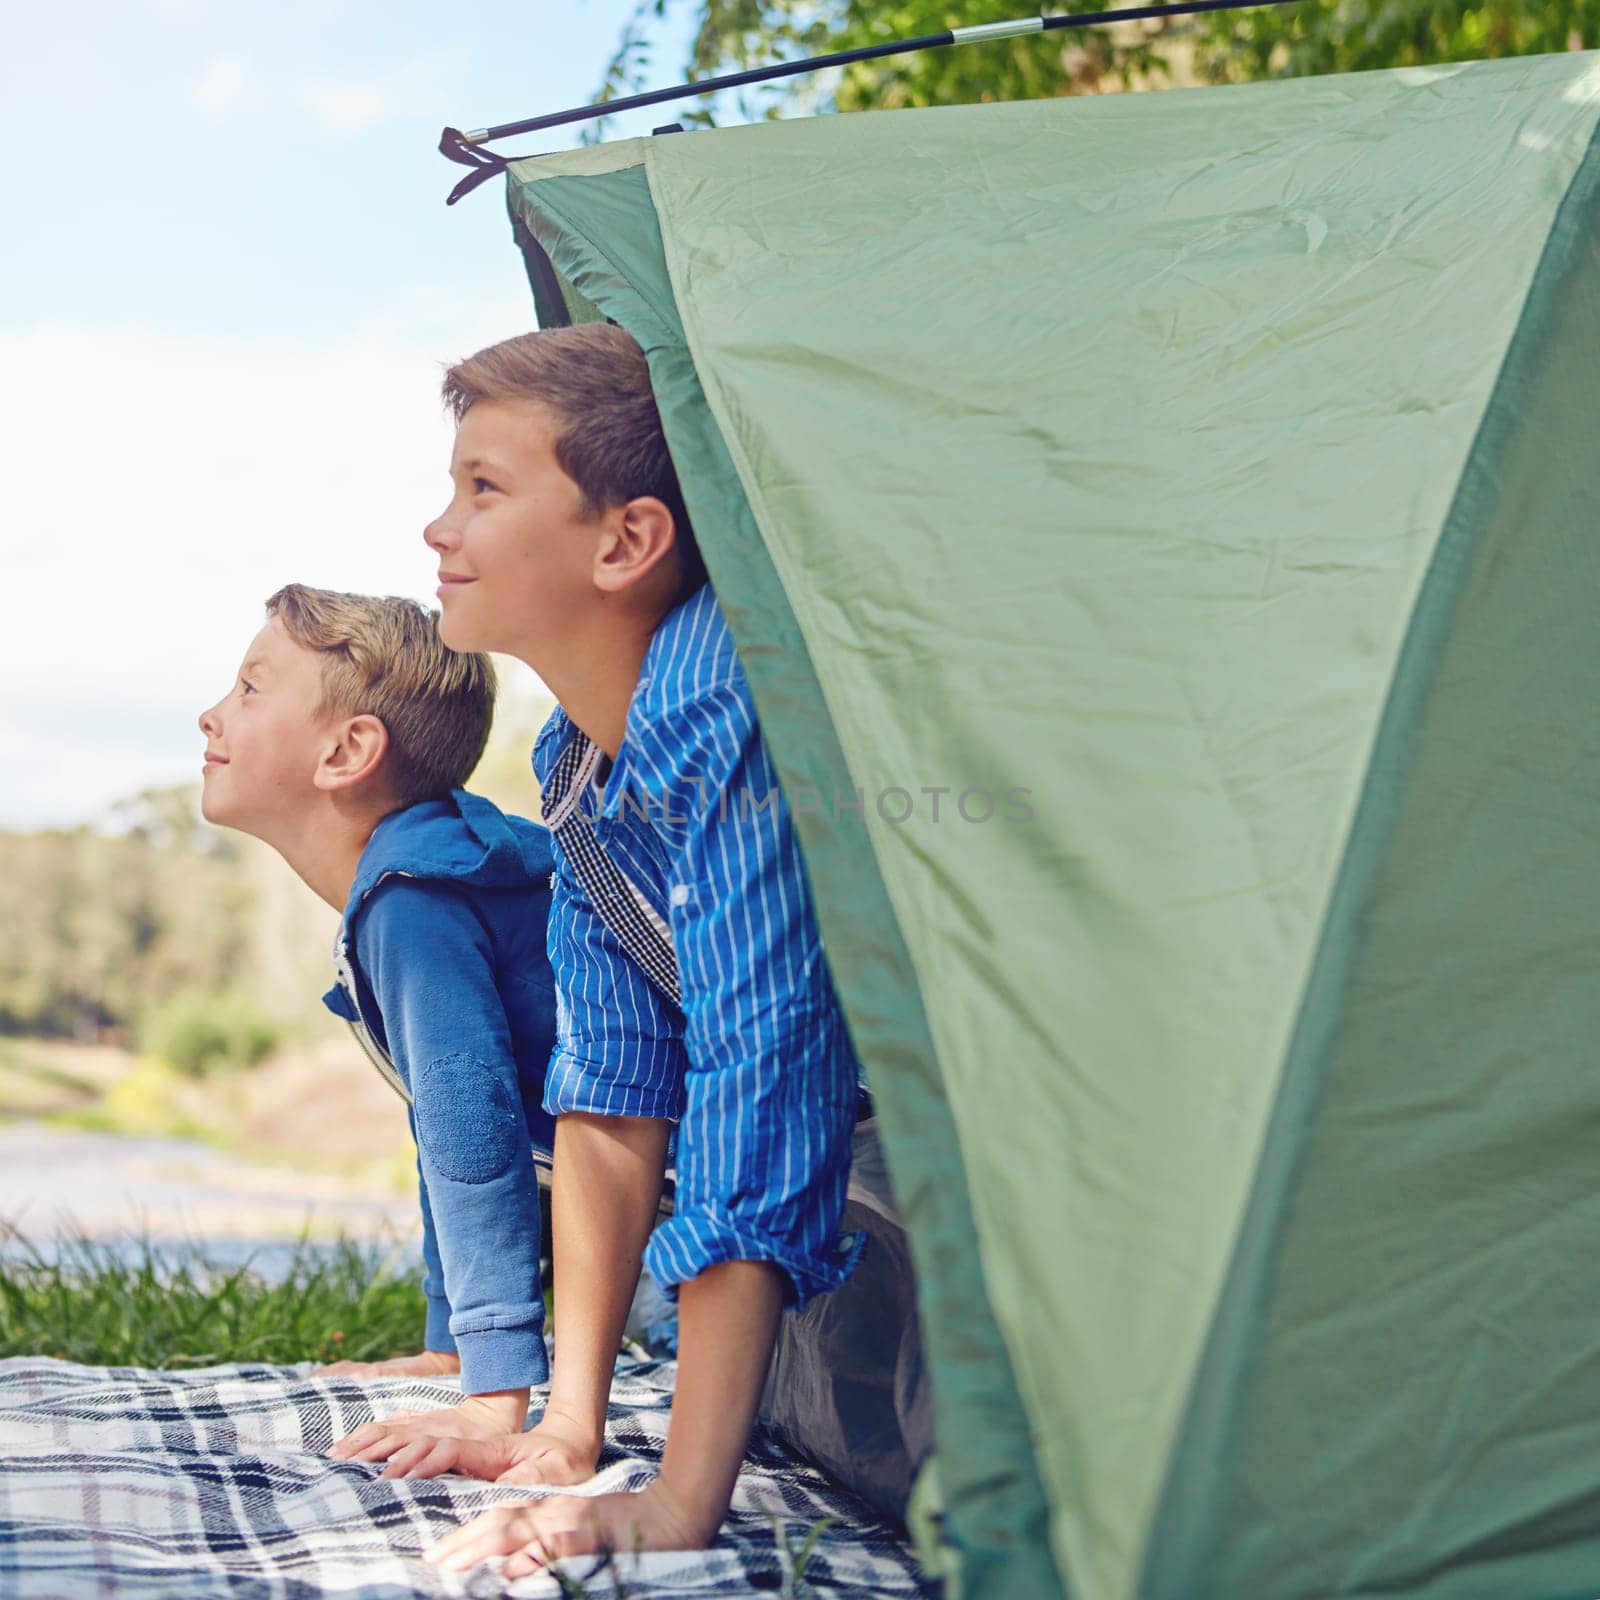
(465, 148)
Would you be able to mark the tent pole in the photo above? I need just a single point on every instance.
(465, 148)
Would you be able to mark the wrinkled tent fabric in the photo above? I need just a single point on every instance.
(1193, 496)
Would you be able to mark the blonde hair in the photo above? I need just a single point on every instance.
(382, 657)
(611, 444)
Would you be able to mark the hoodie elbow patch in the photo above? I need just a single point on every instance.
(468, 1125)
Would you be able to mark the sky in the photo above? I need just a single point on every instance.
(228, 284)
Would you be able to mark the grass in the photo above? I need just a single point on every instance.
(168, 1307)
(147, 1101)
(100, 1089)
(14, 1057)
(38, 1080)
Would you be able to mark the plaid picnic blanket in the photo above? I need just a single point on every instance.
(124, 1484)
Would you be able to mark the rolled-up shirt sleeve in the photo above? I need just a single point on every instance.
(770, 1082)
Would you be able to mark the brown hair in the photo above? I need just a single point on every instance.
(611, 444)
(382, 657)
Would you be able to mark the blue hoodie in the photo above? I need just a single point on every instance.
(442, 958)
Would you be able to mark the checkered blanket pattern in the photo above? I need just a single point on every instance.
(123, 1484)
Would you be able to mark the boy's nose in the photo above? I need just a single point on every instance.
(209, 725)
(439, 535)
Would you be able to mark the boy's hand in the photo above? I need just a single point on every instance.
(480, 1416)
(426, 1364)
(557, 1451)
(536, 1532)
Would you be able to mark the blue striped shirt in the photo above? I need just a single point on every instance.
(754, 1061)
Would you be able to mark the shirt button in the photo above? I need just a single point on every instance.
(679, 895)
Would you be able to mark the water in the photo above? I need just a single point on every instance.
(58, 1182)
(59, 1186)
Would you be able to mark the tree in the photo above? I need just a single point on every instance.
(1318, 36)
(97, 924)
(1312, 36)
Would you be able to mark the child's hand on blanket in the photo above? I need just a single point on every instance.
(535, 1532)
(480, 1416)
(425, 1364)
(559, 1450)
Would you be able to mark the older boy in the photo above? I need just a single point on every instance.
(682, 937)
(343, 744)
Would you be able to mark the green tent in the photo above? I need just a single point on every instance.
(1196, 497)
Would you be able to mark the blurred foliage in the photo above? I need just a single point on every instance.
(1318, 36)
(96, 926)
(733, 35)
(147, 1100)
(1310, 36)
(200, 1032)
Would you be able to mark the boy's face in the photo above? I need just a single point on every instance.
(516, 552)
(264, 737)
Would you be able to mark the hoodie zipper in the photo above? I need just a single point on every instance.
(344, 971)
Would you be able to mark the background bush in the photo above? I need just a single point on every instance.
(199, 1034)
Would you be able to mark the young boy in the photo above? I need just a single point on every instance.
(684, 945)
(343, 744)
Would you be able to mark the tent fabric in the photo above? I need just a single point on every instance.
(601, 235)
(1153, 483)
(1475, 1465)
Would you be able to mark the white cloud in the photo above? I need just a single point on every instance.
(339, 106)
(156, 490)
(454, 317)
(182, 11)
(344, 106)
(222, 86)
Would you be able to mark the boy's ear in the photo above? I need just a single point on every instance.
(638, 537)
(353, 751)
